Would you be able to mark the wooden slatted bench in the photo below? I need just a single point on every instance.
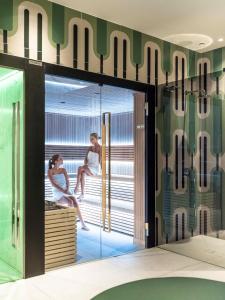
(60, 237)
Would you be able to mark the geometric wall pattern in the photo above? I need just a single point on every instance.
(190, 145)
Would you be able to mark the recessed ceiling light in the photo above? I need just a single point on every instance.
(220, 40)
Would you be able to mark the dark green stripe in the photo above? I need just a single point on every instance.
(137, 46)
(167, 57)
(39, 39)
(166, 110)
(191, 124)
(26, 33)
(217, 125)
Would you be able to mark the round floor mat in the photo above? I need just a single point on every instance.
(170, 288)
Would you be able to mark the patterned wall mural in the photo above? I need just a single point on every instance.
(46, 31)
(190, 109)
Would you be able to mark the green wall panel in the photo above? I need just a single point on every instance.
(6, 14)
(167, 59)
(137, 47)
(101, 37)
(58, 23)
(192, 64)
(217, 62)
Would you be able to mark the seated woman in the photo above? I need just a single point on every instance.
(61, 187)
(91, 164)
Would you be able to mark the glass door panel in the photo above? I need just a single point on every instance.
(72, 114)
(76, 111)
(12, 174)
(120, 215)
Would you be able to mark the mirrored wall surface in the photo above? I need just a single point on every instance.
(190, 166)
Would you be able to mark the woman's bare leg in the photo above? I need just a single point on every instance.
(75, 204)
(78, 179)
(70, 201)
(85, 170)
(82, 183)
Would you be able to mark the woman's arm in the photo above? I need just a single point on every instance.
(67, 179)
(50, 177)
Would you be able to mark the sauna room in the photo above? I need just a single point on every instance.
(112, 203)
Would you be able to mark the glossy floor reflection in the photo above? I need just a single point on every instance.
(96, 243)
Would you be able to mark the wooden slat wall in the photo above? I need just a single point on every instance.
(122, 217)
(139, 169)
(60, 237)
(121, 153)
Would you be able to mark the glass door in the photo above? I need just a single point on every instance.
(122, 182)
(12, 174)
(73, 126)
(98, 127)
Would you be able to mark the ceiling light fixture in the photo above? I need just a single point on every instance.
(220, 40)
(71, 85)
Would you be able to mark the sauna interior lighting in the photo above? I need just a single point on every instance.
(71, 85)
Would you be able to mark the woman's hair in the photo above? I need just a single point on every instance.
(95, 135)
(52, 161)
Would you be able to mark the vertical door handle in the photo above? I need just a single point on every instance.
(106, 170)
(16, 174)
(13, 175)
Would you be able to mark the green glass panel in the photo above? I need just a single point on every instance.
(11, 175)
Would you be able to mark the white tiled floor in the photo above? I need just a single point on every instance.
(201, 247)
(84, 281)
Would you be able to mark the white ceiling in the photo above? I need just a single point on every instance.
(164, 18)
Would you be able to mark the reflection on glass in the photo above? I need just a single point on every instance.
(190, 178)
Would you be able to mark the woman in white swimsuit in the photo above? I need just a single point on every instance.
(61, 187)
(91, 164)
